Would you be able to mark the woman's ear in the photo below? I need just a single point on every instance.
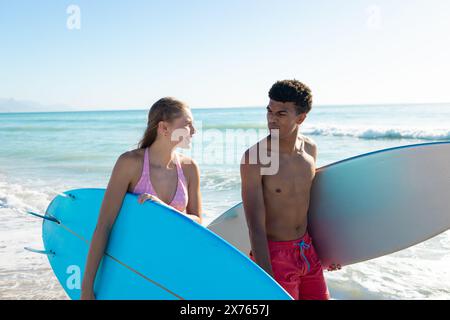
(162, 128)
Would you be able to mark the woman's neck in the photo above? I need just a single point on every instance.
(161, 154)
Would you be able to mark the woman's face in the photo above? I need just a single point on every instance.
(181, 130)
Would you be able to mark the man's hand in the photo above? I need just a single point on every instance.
(334, 267)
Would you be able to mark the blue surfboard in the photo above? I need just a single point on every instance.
(154, 252)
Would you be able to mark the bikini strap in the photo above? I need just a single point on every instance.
(146, 169)
(179, 168)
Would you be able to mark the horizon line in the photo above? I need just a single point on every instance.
(81, 109)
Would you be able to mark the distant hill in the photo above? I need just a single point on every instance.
(13, 105)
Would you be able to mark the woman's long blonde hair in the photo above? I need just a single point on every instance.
(165, 109)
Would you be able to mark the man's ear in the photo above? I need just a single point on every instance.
(301, 117)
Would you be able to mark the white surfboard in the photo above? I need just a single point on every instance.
(370, 205)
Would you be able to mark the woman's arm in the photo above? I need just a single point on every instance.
(194, 206)
(112, 202)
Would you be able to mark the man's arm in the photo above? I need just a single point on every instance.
(311, 148)
(255, 212)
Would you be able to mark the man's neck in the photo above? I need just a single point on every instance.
(291, 144)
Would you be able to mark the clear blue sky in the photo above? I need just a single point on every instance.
(211, 53)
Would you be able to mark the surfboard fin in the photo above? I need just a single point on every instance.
(40, 251)
(45, 217)
(61, 194)
(68, 195)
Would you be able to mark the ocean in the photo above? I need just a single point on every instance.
(42, 154)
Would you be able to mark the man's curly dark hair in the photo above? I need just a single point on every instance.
(292, 91)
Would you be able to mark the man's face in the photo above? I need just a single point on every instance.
(282, 116)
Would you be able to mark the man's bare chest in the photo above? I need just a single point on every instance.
(293, 176)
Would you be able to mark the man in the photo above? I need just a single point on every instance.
(276, 205)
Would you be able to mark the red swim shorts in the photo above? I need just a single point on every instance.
(297, 268)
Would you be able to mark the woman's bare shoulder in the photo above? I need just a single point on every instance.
(130, 160)
(188, 164)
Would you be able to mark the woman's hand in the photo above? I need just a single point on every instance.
(146, 196)
(195, 218)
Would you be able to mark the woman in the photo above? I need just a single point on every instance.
(155, 172)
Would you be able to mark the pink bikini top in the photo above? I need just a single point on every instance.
(180, 200)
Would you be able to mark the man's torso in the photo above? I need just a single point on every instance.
(286, 194)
